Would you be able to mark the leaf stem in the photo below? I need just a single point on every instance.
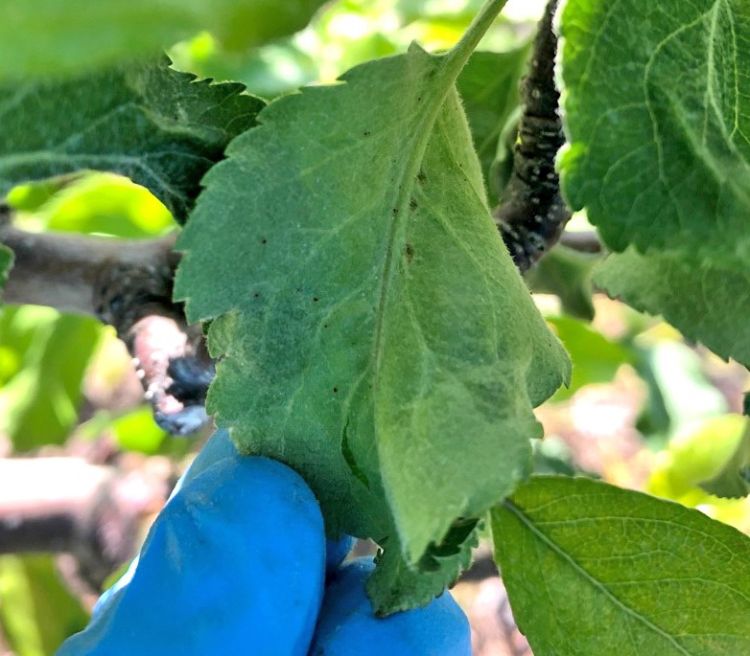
(470, 40)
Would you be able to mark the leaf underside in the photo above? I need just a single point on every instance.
(592, 569)
(150, 123)
(708, 302)
(370, 327)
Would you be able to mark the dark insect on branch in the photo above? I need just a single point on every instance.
(533, 214)
(126, 284)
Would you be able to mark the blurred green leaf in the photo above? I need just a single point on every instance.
(36, 610)
(488, 86)
(39, 401)
(733, 481)
(268, 72)
(591, 570)
(688, 395)
(708, 302)
(696, 454)
(567, 274)
(102, 203)
(6, 262)
(501, 168)
(137, 431)
(32, 196)
(159, 127)
(455, 9)
(63, 37)
(595, 358)
(553, 456)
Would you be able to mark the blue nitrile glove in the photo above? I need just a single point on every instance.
(236, 564)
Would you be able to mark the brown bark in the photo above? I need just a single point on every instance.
(67, 505)
(126, 284)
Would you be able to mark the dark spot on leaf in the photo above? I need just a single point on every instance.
(409, 253)
(421, 176)
(315, 299)
(263, 241)
(256, 295)
(395, 211)
(413, 204)
(335, 390)
(366, 133)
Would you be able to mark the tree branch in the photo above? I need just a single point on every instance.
(74, 273)
(533, 213)
(126, 284)
(583, 242)
(66, 505)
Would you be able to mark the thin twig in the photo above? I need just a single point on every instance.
(584, 242)
(87, 275)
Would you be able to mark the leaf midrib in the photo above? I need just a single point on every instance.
(450, 67)
(558, 550)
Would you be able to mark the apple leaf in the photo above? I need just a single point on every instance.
(592, 569)
(160, 128)
(370, 327)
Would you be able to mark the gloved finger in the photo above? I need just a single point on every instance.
(347, 624)
(220, 446)
(233, 564)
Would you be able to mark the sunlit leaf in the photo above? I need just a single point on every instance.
(54, 37)
(591, 569)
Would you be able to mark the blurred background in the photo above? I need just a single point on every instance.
(646, 410)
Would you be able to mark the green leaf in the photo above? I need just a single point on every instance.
(591, 569)
(698, 453)
(370, 327)
(657, 113)
(137, 431)
(733, 480)
(6, 264)
(707, 302)
(159, 127)
(103, 203)
(39, 399)
(54, 37)
(688, 395)
(567, 274)
(595, 358)
(37, 612)
(395, 585)
(488, 86)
